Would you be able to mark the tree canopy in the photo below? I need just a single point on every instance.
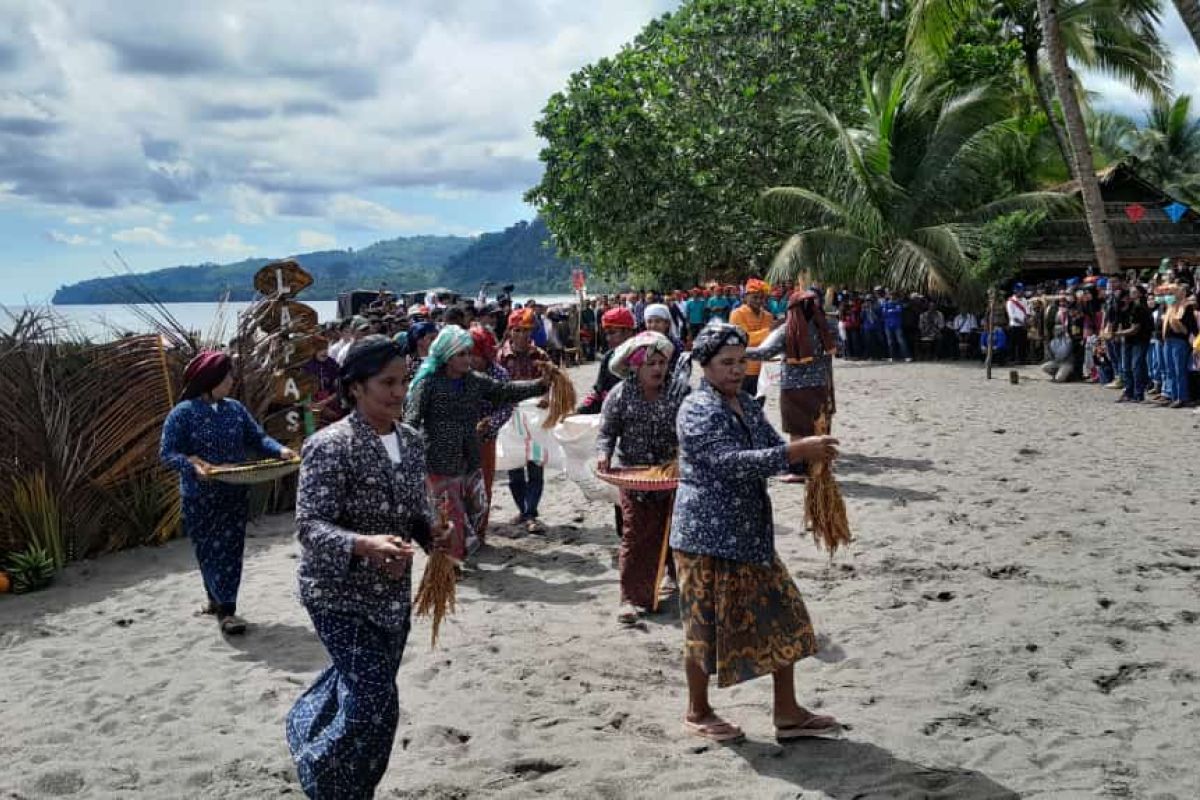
(656, 157)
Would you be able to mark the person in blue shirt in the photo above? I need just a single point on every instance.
(892, 311)
(697, 312)
(999, 346)
(204, 430)
(719, 306)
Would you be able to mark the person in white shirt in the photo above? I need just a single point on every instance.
(1018, 321)
(965, 325)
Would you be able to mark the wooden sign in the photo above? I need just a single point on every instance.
(282, 278)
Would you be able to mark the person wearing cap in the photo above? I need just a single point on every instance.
(618, 326)
(361, 504)
(445, 403)
(757, 322)
(658, 320)
(523, 361)
(207, 429)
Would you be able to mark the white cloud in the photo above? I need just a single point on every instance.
(72, 239)
(143, 235)
(315, 240)
(200, 219)
(356, 212)
(228, 244)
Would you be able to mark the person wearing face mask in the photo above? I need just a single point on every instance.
(743, 616)
(445, 403)
(360, 506)
(637, 427)
(206, 429)
(1178, 327)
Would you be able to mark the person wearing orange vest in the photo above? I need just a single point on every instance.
(757, 322)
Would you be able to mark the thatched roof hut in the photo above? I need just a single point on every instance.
(1064, 246)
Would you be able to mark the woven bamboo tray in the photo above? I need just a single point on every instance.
(640, 479)
(253, 472)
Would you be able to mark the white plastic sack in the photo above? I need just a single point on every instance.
(769, 378)
(524, 439)
(576, 436)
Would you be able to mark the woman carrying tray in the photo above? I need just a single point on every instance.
(208, 429)
(742, 614)
(445, 405)
(637, 424)
(360, 504)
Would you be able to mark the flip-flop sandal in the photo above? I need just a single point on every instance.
(814, 727)
(232, 625)
(720, 731)
(628, 615)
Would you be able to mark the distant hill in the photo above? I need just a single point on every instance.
(520, 255)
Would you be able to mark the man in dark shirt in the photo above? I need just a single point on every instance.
(1133, 327)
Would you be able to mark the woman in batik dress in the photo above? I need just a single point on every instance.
(360, 506)
(637, 426)
(445, 404)
(742, 614)
(206, 429)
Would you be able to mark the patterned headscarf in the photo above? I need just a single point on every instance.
(713, 337)
(449, 343)
(631, 354)
(521, 318)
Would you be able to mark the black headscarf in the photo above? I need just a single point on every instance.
(366, 358)
(713, 337)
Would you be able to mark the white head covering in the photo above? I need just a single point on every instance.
(624, 362)
(657, 311)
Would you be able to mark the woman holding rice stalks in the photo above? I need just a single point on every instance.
(637, 425)
(806, 382)
(742, 614)
(445, 404)
(206, 429)
(360, 504)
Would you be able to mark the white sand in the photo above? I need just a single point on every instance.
(1019, 616)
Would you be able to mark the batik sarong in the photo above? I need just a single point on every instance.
(465, 498)
(741, 620)
(341, 730)
(643, 527)
(215, 521)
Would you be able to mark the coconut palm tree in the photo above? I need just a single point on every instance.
(905, 198)
(1167, 149)
(1080, 151)
(1190, 11)
(1117, 37)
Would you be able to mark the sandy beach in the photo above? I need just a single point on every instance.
(1020, 616)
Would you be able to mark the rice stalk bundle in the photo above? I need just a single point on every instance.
(436, 594)
(562, 398)
(824, 508)
(439, 585)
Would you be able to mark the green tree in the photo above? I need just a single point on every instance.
(1117, 37)
(907, 195)
(1167, 149)
(655, 158)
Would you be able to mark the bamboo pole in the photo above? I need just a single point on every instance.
(662, 557)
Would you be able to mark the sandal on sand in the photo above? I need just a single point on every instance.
(535, 526)
(714, 729)
(628, 615)
(815, 726)
(232, 625)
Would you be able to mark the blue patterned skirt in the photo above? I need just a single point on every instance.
(342, 728)
(215, 522)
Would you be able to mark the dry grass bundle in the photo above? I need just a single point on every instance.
(439, 585)
(562, 398)
(824, 508)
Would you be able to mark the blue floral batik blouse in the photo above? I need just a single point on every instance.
(223, 432)
(349, 486)
(722, 507)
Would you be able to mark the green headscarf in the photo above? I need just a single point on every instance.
(450, 342)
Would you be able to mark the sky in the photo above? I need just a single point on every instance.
(173, 132)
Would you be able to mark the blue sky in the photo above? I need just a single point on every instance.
(181, 133)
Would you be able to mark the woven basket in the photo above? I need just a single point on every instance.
(254, 472)
(639, 479)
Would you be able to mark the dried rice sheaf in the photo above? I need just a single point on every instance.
(824, 508)
(438, 589)
(562, 398)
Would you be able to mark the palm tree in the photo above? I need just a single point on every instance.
(1117, 37)
(1080, 150)
(1190, 11)
(1167, 150)
(906, 197)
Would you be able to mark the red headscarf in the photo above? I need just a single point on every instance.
(618, 318)
(205, 373)
(804, 307)
(521, 318)
(485, 343)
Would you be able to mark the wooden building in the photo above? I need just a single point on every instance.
(1063, 247)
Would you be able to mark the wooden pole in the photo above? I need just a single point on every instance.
(662, 556)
